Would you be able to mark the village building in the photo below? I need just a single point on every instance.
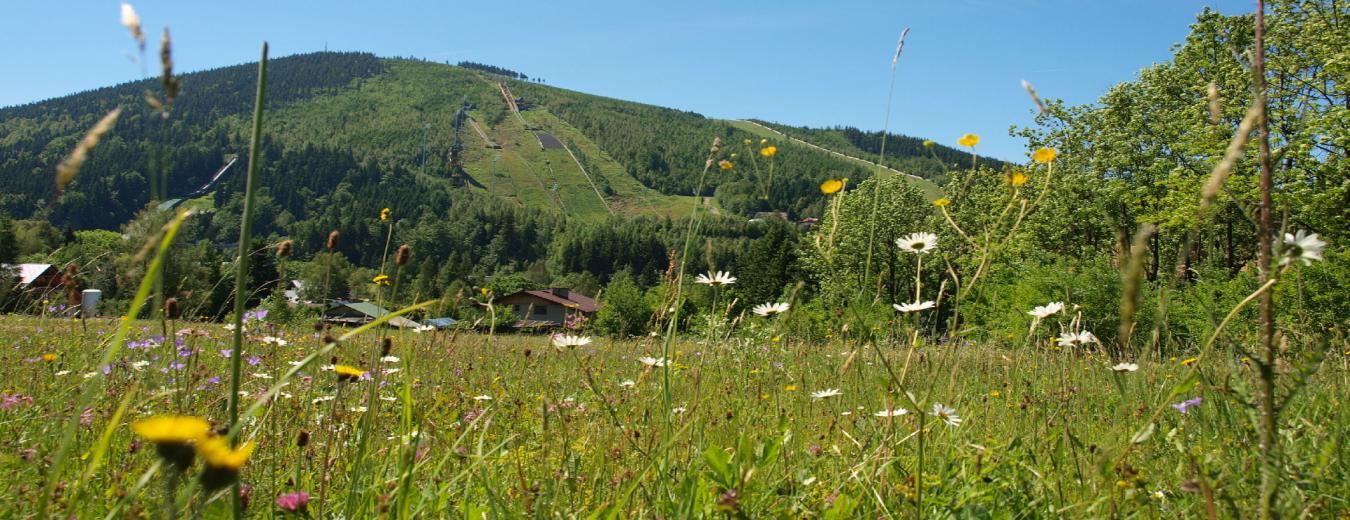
(548, 307)
(361, 313)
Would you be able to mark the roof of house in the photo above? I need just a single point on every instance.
(28, 273)
(573, 299)
(374, 312)
(441, 323)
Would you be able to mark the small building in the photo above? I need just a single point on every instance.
(293, 290)
(548, 307)
(441, 323)
(39, 277)
(361, 313)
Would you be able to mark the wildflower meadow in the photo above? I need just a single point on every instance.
(1144, 318)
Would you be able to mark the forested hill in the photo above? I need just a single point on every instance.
(384, 128)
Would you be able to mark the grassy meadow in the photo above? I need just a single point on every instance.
(1144, 319)
(464, 424)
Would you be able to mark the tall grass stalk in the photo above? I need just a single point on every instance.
(695, 221)
(241, 271)
(1269, 480)
(881, 161)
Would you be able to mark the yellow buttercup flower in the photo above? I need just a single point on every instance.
(1189, 361)
(928, 143)
(484, 291)
(725, 164)
(790, 388)
(1017, 178)
(380, 280)
(49, 357)
(942, 202)
(968, 140)
(384, 214)
(831, 186)
(348, 373)
(1044, 155)
(768, 151)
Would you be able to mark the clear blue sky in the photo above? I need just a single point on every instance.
(811, 63)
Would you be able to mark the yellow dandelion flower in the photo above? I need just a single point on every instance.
(49, 357)
(1044, 155)
(222, 462)
(928, 143)
(484, 291)
(942, 202)
(216, 452)
(994, 393)
(171, 429)
(173, 436)
(1017, 178)
(1189, 361)
(725, 164)
(380, 280)
(384, 214)
(831, 186)
(790, 388)
(768, 151)
(348, 373)
(969, 140)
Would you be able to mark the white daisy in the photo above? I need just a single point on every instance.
(913, 307)
(275, 341)
(389, 359)
(718, 278)
(482, 397)
(1302, 246)
(1125, 367)
(140, 364)
(892, 413)
(570, 341)
(1067, 339)
(652, 362)
(917, 243)
(1047, 310)
(678, 410)
(765, 309)
(947, 414)
(826, 393)
(1087, 337)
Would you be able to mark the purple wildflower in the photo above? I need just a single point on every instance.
(1186, 405)
(254, 360)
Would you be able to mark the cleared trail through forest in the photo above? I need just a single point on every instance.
(829, 151)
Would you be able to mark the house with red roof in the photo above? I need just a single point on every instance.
(548, 307)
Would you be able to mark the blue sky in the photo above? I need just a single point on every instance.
(813, 63)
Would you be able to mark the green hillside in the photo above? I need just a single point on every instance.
(335, 117)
